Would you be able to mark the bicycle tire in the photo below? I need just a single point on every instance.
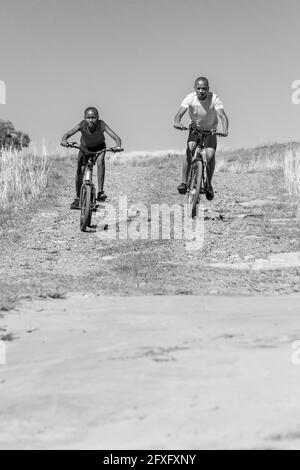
(86, 207)
(191, 190)
(196, 188)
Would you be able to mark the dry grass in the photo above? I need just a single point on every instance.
(291, 169)
(23, 176)
(50, 149)
(267, 157)
(236, 161)
(159, 158)
(256, 163)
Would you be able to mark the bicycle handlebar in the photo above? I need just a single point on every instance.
(202, 131)
(74, 145)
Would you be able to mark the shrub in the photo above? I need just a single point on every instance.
(10, 138)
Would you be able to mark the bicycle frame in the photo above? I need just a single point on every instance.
(197, 178)
(200, 152)
(88, 192)
(195, 184)
(88, 170)
(91, 160)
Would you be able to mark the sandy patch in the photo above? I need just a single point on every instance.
(273, 262)
(151, 372)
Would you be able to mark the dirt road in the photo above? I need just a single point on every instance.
(122, 359)
(46, 255)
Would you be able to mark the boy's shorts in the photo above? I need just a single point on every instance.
(82, 156)
(209, 140)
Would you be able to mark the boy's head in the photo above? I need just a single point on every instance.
(201, 87)
(91, 115)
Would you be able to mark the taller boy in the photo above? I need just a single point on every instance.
(204, 109)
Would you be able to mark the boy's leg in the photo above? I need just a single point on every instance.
(187, 162)
(101, 171)
(210, 168)
(191, 144)
(211, 146)
(210, 161)
(79, 173)
(101, 176)
(78, 180)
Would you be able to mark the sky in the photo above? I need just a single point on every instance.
(137, 59)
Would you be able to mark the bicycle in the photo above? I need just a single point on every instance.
(197, 178)
(87, 199)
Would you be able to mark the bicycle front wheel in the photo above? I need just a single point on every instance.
(86, 207)
(195, 189)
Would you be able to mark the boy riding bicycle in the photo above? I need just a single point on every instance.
(204, 109)
(92, 138)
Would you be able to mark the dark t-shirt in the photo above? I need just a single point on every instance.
(92, 139)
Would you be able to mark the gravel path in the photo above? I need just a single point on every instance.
(249, 220)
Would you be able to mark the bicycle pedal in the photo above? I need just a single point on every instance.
(102, 198)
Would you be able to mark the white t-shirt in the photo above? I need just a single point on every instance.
(203, 113)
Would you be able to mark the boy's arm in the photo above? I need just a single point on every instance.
(113, 135)
(224, 120)
(68, 134)
(177, 119)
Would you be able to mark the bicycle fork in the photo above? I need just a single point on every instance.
(88, 175)
(88, 181)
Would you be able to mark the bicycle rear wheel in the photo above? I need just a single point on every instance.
(86, 207)
(195, 189)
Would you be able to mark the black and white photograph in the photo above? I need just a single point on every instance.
(149, 227)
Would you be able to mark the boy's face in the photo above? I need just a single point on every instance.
(201, 89)
(91, 118)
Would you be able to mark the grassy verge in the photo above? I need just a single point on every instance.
(240, 160)
(291, 169)
(23, 176)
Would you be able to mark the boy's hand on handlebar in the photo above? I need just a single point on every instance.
(65, 143)
(220, 134)
(179, 126)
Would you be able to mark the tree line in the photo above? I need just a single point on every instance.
(11, 138)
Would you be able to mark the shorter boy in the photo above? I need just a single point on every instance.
(92, 138)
